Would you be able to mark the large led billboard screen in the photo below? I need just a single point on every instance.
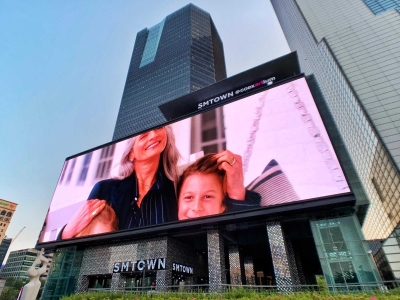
(267, 149)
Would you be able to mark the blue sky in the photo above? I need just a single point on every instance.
(63, 66)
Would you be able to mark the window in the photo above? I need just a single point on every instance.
(379, 6)
(71, 171)
(85, 168)
(152, 41)
(208, 132)
(63, 171)
(105, 162)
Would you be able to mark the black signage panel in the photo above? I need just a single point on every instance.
(265, 75)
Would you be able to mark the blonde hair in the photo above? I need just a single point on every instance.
(169, 157)
(106, 216)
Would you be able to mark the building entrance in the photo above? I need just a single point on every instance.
(100, 281)
(247, 253)
(299, 237)
(140, 280)
(251, 261)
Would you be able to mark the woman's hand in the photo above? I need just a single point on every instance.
(234, 180)
(83, 217)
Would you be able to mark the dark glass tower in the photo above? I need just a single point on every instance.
(177, 56)
(5, 244)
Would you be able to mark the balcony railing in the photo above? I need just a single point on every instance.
(383, 287)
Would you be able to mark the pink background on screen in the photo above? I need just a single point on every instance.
(283, 136)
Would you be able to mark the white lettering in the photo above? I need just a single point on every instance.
(116, 267)
(182, 268)
(141, 264)
(125, 266)
(161, 264)
(129, 266)
(214, 100)
(151, 264)
(134, 265)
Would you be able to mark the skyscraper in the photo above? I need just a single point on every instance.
(352, 49)
(179, 55)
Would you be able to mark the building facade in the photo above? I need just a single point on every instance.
(7, 210)
(20, 261)
(179, 55)
(351, 48)
(280, 248)
(5, 244)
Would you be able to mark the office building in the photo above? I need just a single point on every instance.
(5, 244)
(179, 55)
(7, 210)
(20, 261)
(279, 133)
(351, 47)
(284, 242)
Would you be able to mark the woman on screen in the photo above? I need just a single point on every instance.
(144, 191)
(210, 186)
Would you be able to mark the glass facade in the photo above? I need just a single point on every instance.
(342, 252)
(351, 53)
(181, 54)
(391, 249)
(380, 6)
(64, 273)
(153, 39)
(375, 168)
(5, 244)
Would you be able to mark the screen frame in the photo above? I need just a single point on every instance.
(276, 212)
(273, 213)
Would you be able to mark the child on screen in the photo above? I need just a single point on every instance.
(203, 188)
(200, 189)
